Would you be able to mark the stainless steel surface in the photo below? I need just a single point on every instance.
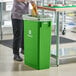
(65, 52)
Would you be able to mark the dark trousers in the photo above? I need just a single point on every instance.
(18, 35)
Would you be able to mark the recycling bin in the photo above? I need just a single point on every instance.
(37, 41)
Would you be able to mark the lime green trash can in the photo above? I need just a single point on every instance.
(37, 41)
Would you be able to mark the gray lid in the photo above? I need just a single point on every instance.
(37, 18)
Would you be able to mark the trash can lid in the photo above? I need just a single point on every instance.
(37, 18)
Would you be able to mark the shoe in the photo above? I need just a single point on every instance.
(17, 58)
(22, 52)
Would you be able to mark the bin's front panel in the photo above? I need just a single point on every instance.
(45, 38)
(31, 43)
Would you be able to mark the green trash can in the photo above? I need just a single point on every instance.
(37, 40)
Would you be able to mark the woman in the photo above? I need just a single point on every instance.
(20, 7)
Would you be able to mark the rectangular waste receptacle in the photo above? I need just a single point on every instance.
(37, 41)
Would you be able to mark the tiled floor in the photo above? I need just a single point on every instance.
(8, 67)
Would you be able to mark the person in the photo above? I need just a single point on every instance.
(20, 7)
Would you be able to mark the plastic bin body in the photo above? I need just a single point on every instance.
(37, 40)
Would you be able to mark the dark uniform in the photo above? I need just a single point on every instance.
(19, 8)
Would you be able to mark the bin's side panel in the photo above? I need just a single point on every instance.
(45, 41)
(31, 43)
